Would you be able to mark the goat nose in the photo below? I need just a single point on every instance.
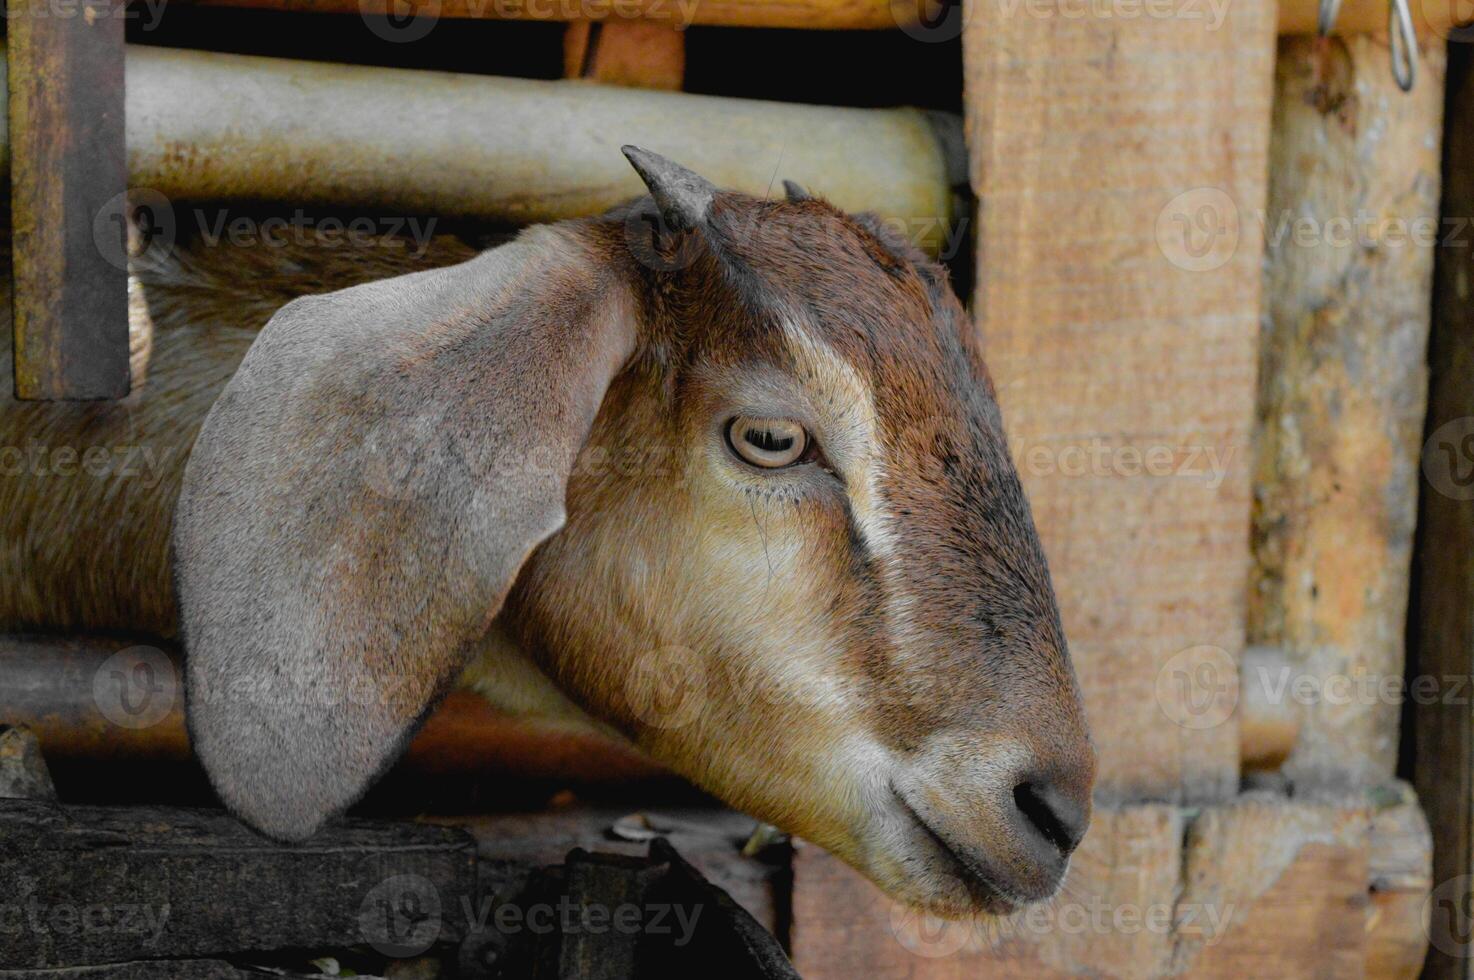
(1054, 810)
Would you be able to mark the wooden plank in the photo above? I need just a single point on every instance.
(1118, 296)
(142, 970)
(68, 176)
(1437, 17)
(1112, 917)
(97, 884)
(1287, 883)
(1261, 886)
(634, 54)
(1400, 865)
(1443, 628)
(801, 14)
(710, 839)
(1351, 226)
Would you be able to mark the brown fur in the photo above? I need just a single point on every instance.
(846, 644)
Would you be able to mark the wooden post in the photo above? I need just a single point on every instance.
(68, 174)
(1351, 226)
(1117, 170)
(1443, 631)
(632, 53)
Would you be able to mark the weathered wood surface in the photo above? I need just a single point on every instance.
(67, 179)
(1351, 227)
(805, 14)
(633, 53)
(218, 126)
(23, 771)
(1435, 19)
(1269, 722)
(1294, 16)
(143, 970)
(1118, 297)
(1443, 749)
(96, 885)
(711, 840)
(1400, 866)
(1257, 887)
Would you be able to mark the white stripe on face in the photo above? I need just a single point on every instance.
(852, 427)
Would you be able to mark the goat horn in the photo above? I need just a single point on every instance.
(796, 192)
(682, 196)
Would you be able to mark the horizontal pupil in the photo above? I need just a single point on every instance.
(766, 441)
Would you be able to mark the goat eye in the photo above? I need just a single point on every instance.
(769, 443)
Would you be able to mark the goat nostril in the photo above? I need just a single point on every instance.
(1059, 820)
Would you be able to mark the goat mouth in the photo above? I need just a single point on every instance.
(983, 889)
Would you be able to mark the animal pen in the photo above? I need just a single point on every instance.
(1221, 267)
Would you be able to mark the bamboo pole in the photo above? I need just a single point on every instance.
(218, 126)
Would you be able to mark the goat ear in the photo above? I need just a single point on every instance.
(360, 500)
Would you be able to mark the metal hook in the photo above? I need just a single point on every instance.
(1328, 11)
(1403, 44)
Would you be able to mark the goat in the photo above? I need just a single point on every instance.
(745, 446)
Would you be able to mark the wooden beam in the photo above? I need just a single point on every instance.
(104, 700)
(67, 182)
(506, 149)
(168, 882)
(803, 14)
(1117, 172)
(632, 53)
(1351, 226)
(1433, 17)
(1443, 625)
